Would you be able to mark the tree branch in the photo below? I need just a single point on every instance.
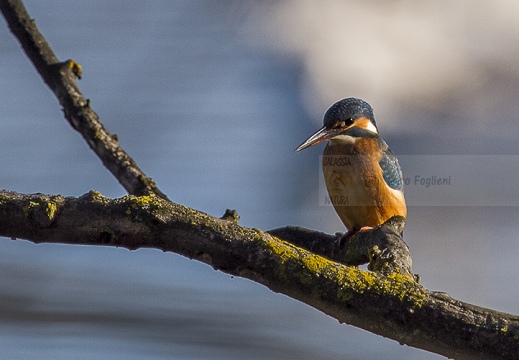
(393, 305)
(61, 79)
(388, 302)
(383, 247)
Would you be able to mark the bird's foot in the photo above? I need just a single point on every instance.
(366, 228)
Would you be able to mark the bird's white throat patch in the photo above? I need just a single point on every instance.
(343, 139)
(371, 127)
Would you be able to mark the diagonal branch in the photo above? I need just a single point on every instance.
(394, 306)
(388, 303)
(61, 79)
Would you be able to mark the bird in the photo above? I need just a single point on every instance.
(362, 175)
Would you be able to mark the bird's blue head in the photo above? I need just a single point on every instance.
(346, 115)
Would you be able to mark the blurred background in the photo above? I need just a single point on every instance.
(211, 98)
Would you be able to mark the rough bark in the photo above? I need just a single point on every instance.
(383, 247)
(392, 305)
(387, 301)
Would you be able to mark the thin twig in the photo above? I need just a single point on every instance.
(61, 78)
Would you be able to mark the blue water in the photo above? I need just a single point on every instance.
(214, 120)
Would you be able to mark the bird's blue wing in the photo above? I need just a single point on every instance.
(391, 168)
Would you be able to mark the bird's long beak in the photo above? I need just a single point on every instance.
(321, 135)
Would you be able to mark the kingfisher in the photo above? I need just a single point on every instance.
(362, 175)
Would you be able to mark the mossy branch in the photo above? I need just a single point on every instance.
(393, 305)
(388, 301)
(383, 247)
(61, 79)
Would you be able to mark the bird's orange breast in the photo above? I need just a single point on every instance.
(356, 186)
